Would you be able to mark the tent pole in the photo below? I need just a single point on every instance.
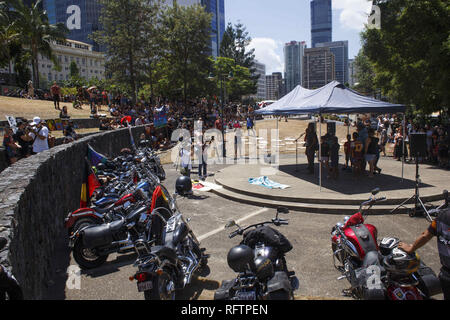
(348, 126)
(320, 152)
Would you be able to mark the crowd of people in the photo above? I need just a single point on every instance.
(364, 147)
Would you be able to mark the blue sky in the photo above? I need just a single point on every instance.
(272, 23)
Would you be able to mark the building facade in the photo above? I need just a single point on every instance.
(293, 64)
(340, 51)
(274, 83)
(321, 22)
(352, 71)
(259, 69)
(91, 64)
(318, 68)
(80, 17)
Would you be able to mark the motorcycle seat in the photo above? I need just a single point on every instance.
(163, 251)
(103, 210)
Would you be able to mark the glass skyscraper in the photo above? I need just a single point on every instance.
(340, 51)
(293, 64)
(81, 18)
(321, 22)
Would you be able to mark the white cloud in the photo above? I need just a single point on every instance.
(354, 13)
(266, 51)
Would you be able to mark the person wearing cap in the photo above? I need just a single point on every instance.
(39, 135)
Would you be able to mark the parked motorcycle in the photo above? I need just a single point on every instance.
(378, 271)
(91, 244)
(260, 263)
(167, 261)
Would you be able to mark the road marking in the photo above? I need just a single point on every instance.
(213, 232)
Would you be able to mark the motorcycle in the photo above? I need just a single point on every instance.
(260, 263)
(91, 244)
(378, 271)
(167, 260)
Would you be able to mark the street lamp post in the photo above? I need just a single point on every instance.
(222, 93)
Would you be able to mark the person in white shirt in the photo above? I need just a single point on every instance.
(39, 136)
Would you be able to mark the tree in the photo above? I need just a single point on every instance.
(125, 35)
(234, 45)
(411, 52)
(74, 71)
(365, 74)
(186, 42)
(9, 37)
(36, 33)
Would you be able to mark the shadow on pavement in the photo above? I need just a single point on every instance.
(345, 183)
(111, 266)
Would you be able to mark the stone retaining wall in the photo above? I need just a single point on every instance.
(36, 194)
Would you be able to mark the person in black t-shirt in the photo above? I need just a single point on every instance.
(23, 139)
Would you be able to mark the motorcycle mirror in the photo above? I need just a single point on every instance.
(375, 191)
(230, 224)
(283, 210)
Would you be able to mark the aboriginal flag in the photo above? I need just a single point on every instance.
(89, 184)
(95, 157)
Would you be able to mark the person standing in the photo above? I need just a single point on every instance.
(30, 90)
(10, 146)
(56, 94)
(311, 143)
(440, 228)
(371, 149)
(39, 136)
(22, 137)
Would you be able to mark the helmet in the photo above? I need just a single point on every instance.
(241, 257)
(401, 263)
(387, 245)
(263, 268)
(183, 185)
(100, 166)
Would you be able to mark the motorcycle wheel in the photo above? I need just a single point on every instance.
(163, 287)
(87, 258)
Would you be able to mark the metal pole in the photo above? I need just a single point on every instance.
(223, 120)
(320, 152)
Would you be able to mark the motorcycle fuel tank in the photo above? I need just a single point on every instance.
(363, 237)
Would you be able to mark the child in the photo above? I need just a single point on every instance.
(334, 157)
(348, 151)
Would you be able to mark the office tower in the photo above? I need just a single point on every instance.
(352, 70)
(80, 17)
(293, 57)
(260, 69)
(318, 67)
(321, 22)
(274, 84)
(340, 51)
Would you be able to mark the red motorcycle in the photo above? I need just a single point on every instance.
(378, 271)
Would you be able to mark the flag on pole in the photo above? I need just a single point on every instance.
(95, 157)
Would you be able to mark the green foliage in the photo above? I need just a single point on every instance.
(74, 71)
(410, 54)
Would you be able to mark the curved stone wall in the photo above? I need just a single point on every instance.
(35, 196)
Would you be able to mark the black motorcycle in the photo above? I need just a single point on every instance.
(92, 244)
(167, 260)
(260, 263)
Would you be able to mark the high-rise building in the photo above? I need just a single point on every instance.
(340, 51)
(318, 67)
(321, 22)
(274, 83)
(80, 17)
(217, 9)
(352, 72)
(293, 65)
(259, 69)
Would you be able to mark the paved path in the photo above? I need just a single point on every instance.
(310, 258)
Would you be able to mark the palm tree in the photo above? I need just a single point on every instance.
(37, 33)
